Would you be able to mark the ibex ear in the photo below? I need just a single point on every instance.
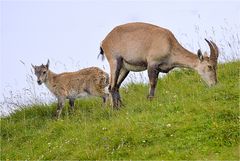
(200, 56)
(205, 54)
(33, 66)
(47, 65)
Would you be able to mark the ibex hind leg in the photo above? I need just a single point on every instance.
(115, 67)
(71, 103)
(116, 99)
(123, 74)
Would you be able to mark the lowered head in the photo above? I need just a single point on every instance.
(207, 66)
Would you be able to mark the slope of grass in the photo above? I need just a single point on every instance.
(185, 121)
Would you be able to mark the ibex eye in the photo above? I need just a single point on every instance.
(210, 67)
(44, 72)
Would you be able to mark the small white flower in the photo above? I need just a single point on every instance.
(104, 128)
(169, 125)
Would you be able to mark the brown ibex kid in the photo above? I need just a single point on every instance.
(71, 85)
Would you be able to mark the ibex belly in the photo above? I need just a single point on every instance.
(136, 67)
(75, 94)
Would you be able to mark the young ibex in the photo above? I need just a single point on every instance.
(71, 85)
(141, 46)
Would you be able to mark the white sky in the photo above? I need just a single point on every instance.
(69, 32)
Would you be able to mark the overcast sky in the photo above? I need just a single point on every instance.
(68, 33)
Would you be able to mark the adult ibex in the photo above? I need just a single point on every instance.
(71, 85)
(141, 46)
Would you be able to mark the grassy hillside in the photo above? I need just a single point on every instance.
(186, 120)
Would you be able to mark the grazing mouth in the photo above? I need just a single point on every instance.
(39, 83)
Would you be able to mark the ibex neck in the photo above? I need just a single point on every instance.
(50, 80)
(185, 59)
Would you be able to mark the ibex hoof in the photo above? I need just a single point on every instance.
(55, 116)
(150, 98)
(117, 106)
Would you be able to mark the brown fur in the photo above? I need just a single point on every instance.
(71, 85)
(141, 46)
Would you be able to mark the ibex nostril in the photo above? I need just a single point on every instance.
(39, 82)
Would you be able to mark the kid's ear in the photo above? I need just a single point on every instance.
(48, 62)
(33, 66)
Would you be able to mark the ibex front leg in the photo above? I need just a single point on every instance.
(153, 72)
(61, 101)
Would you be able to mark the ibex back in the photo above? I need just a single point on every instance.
(71, 85)
(141, 46)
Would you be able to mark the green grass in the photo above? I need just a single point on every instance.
(185, 121)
